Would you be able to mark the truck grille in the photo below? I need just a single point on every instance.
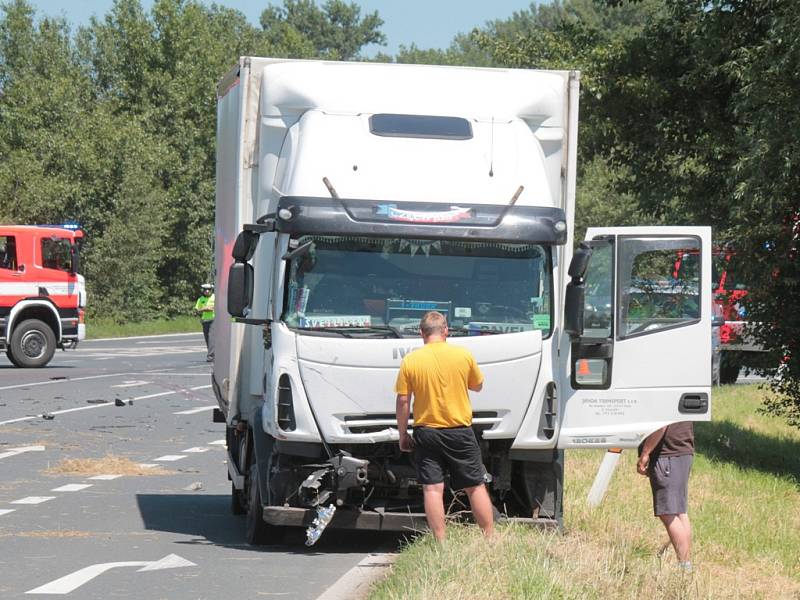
(374, 422)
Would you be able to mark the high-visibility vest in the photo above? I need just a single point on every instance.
(206, 304)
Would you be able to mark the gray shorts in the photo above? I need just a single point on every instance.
(669, 480)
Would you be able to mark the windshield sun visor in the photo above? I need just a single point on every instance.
(339, 216)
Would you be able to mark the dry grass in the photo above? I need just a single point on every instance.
(49, 534)
(744, 503)
(109, 464)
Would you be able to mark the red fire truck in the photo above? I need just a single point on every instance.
(42, 296)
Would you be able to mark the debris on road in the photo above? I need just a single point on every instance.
(48, 416)
(193, 487)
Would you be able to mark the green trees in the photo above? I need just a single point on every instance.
(114, 126)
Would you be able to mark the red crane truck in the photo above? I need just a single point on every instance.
(42, 296)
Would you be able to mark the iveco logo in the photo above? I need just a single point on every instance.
(400, 352)
(589, 440)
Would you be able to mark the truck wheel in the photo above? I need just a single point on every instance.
(237, 502)
(257, 531)
(729, 368)
(32, 344)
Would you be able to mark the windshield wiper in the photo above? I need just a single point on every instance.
(337, 330)
(376, 329)
(462, 331)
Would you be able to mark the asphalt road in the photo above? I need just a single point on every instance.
(151, 536)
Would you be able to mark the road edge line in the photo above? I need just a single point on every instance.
(141, 337)
(357, 582)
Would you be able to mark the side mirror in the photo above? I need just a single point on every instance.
(75, 262)
(240, 288)
(575, 296)
(245, 246)
(580, 261)
(574, 309)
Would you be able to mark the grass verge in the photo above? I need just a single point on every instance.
(744, 501)
(108, 328)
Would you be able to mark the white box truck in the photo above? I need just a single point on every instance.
(354, 197)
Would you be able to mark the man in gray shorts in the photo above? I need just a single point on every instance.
(666, 458)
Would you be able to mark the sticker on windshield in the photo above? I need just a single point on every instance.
(464, 312)
(336, 321)
(541, 321)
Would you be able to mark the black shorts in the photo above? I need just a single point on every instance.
(669, 480)
(454, 450)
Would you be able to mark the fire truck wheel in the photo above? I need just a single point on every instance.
(11, 357)
(32, 344)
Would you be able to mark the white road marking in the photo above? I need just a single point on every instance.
(357, 581)
(21, 450)
(217, 443)
(71, 582)
(170, 457)
(5, 511)
(72, 487)
(147, 465)
(193, 411)
(68, 380)
(142, 337)
(196, 449)
(127, 384)
(105, 477)
(106, 404)
(32, 500)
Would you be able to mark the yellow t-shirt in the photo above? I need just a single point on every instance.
(438, 375)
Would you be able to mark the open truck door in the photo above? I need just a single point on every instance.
(640, 329)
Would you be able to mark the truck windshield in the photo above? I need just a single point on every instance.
(382, 287)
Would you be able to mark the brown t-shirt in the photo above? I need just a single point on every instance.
(678, 440)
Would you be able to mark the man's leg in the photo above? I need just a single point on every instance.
(434, 508)
(210, 342)
(680, 534)
(206, 328)
(481, 506)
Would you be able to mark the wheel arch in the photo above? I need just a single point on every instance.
(44, 310)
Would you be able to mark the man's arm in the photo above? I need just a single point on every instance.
(403, 410)
(649, 444)
(476, 388)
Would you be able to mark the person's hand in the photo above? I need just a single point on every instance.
(642, 464)
(406, 443)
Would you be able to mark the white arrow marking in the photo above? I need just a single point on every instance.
(126, 384)
(22, 449)
(71, 582)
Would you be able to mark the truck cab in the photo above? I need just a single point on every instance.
(42, 294)
(351, 199)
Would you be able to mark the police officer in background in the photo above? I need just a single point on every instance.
(205, 308)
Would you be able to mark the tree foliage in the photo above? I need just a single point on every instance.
(114, 126)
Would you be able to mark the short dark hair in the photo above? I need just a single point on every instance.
(432, 322)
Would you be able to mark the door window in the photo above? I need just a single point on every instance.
(56, 254)
(8, 252)
(659, 284)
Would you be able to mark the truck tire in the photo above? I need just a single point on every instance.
(729, 368)
(32, 344)
(257, 531)
(237, 503)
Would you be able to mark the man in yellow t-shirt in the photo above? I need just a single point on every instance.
(439, 376)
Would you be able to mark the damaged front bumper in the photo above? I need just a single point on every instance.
(370, 520)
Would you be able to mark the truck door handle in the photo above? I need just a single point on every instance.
(693, 403)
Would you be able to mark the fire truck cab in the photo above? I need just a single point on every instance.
(42, 295)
